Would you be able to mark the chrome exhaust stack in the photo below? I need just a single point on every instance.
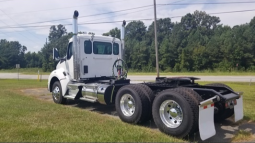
(123, 39)
(75, 49)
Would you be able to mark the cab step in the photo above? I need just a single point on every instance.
(88, 99)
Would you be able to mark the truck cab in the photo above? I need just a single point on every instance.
(96, 56)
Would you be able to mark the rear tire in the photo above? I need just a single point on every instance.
(149, 92)
(223, 113)
(175, 112)
(132, 105)
(57, 93)
(150, 95)
(197, 99)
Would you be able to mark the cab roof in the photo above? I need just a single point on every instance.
(97, 37)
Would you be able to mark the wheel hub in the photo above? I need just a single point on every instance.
(56, 93)
(127, 105)
(130, 104)
(171, 114)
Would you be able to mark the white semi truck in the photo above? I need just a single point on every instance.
(93, 71)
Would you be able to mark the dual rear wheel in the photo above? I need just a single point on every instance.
(175, 111)
(133, 104)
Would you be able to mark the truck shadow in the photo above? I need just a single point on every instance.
(225, 130)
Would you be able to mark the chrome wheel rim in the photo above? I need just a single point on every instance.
(171, 114)
(56, 93)
(127, 105)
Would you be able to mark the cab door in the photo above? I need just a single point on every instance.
(86, 58)
(69, 60)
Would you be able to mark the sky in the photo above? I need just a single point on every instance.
(25, 15)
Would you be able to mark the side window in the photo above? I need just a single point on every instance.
(102, 48)
(69, 51)
(87, 47)
(116, 49)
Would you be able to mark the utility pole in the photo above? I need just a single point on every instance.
(156, 37)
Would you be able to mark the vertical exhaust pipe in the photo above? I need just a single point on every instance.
(75, 47)
(123, 39)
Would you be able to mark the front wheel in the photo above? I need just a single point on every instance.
(57, 93)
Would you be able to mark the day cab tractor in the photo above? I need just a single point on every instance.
(93, 71)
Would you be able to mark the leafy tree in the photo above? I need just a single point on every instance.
(196, 43)
(113, 33)
(58, 38)
(135, 30)
(56, 32)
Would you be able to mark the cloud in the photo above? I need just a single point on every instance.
(23, 12)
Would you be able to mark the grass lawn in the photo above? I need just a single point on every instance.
(27, 71)
(34, 71)
(27, 119)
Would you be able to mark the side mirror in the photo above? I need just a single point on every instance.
(55, 54)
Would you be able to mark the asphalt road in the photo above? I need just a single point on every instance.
(144, 78)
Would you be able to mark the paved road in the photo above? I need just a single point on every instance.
(202, 78)
(145, 78)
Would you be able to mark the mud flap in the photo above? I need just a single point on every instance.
(206, 119)
(238, 109)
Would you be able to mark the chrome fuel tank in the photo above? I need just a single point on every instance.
(95, 91)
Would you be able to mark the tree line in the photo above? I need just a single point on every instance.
(198, 42)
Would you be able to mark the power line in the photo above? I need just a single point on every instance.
(88, 15)
(119, 15)
(209, 3)
(128, 13)
(12, 20)
(238, 11)
(7, 25)
(46, 26)
(23, 36)
(66, 7)
(72, 24)
(105, 22)
(137, 8)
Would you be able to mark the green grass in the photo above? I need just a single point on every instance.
(34, 71)
(27, 71)
(243, 136)
(27, 119)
